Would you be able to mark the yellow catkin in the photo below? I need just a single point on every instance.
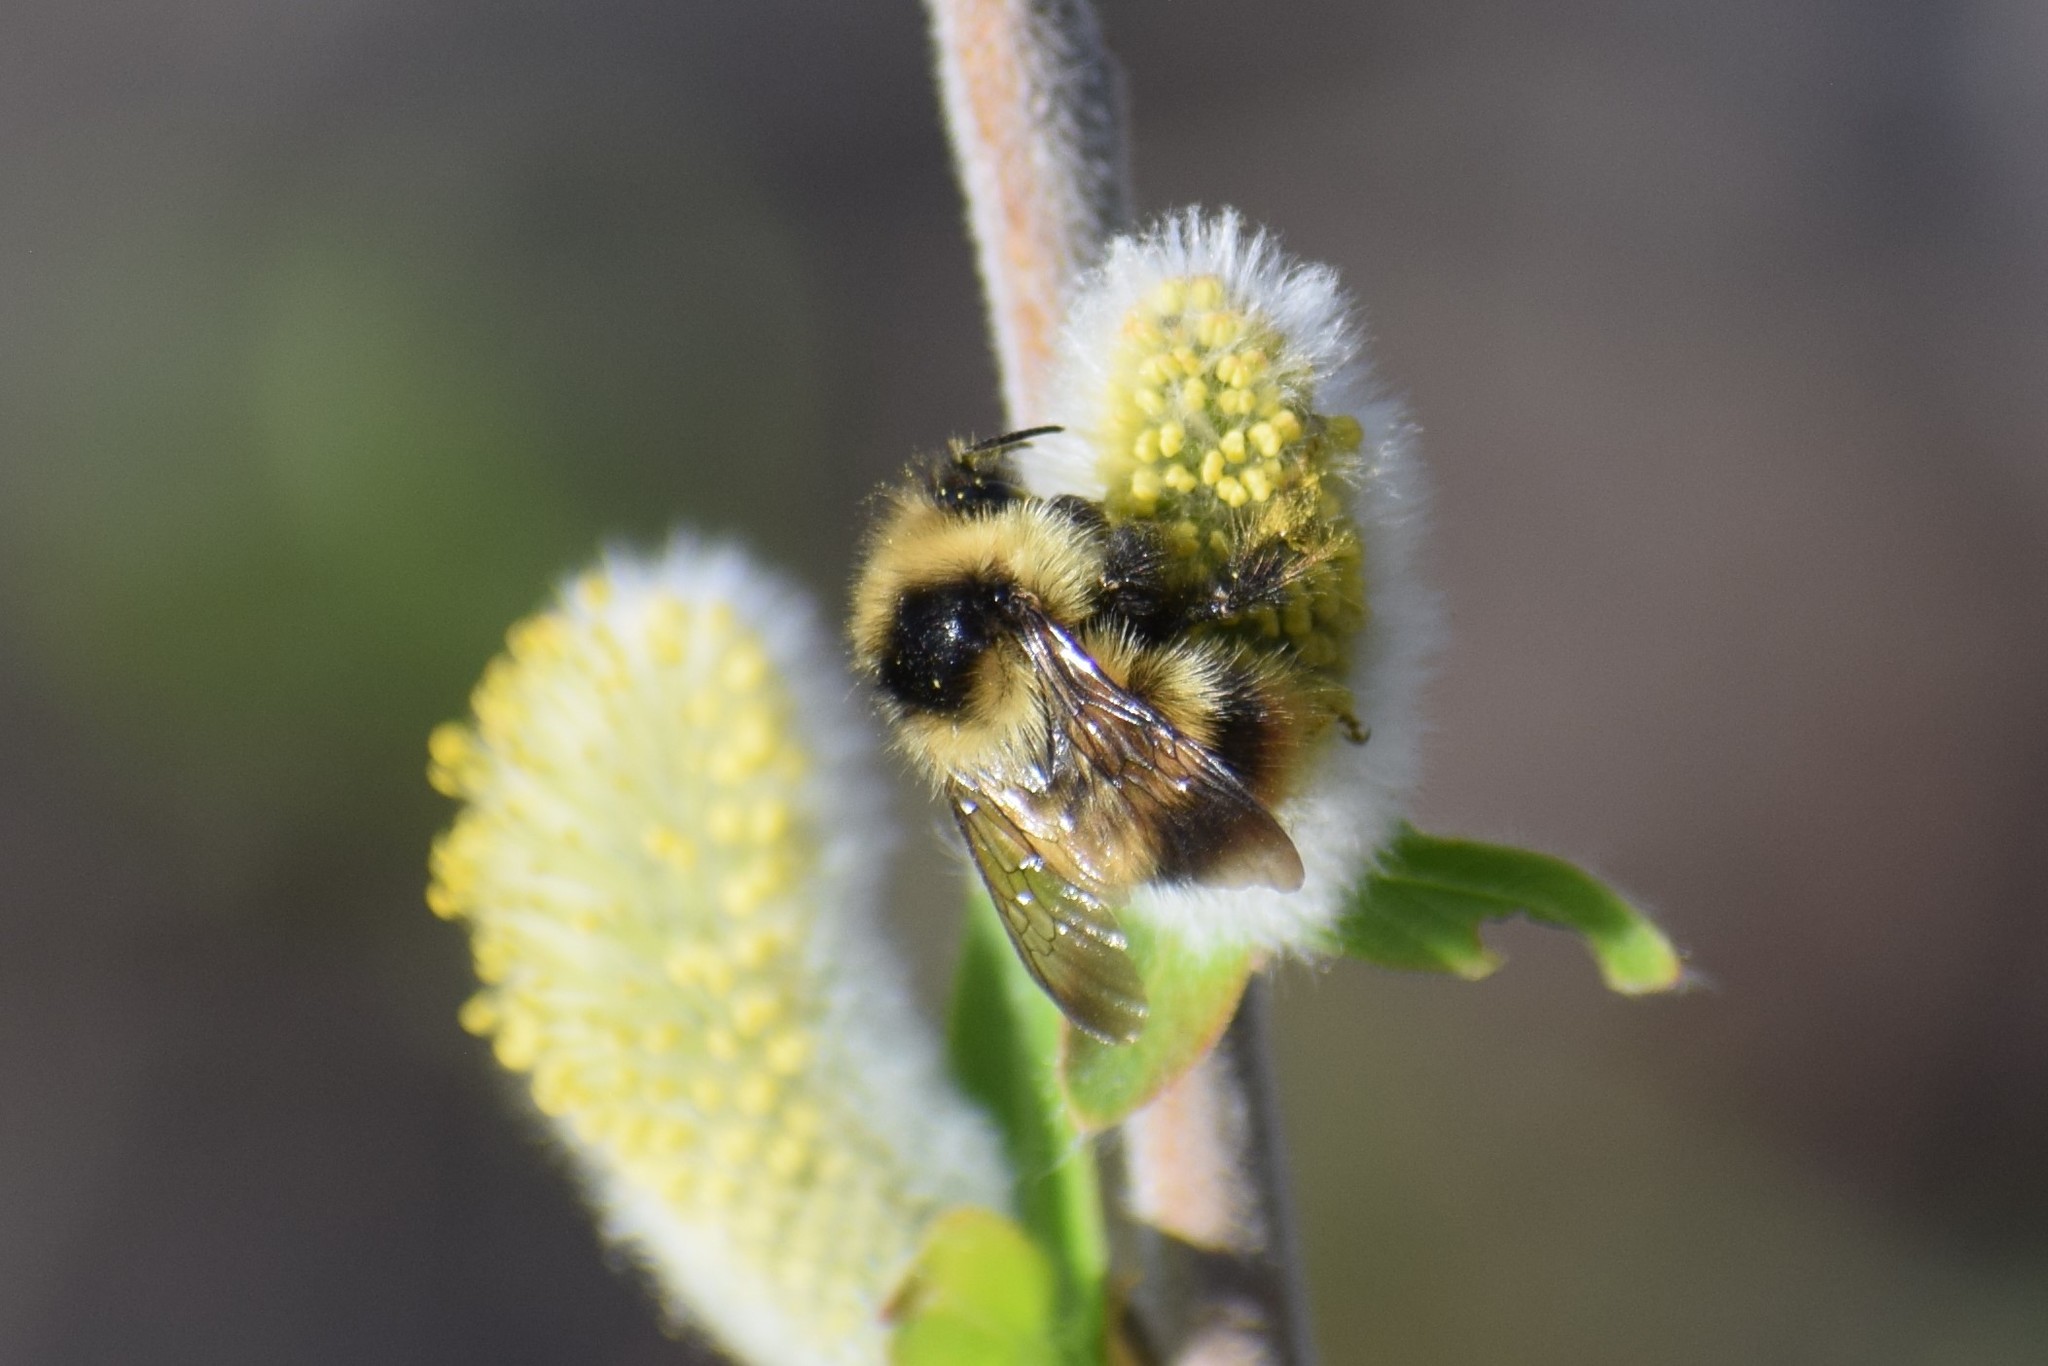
(1213, 426)
(638, 860)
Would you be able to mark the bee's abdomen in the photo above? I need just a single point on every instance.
(937, 637)
(1250, 731)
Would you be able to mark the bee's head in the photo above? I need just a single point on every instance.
(939, 639)
(978, 478)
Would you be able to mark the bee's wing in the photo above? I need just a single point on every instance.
(1133, 778)
(1067, 937)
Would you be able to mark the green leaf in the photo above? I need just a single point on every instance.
(1191, 997)
(980, 1291)
(1004, 1043)
(1423, 906)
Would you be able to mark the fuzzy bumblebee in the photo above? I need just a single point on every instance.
(1085, 699)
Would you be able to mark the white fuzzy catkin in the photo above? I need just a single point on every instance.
(1261, 359)
(669, 858)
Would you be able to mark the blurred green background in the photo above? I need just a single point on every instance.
(330, 336)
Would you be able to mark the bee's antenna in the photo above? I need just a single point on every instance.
(1009, 439)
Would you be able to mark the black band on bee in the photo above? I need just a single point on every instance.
(937, 639)
(1138, 588)
(1083, 514)
(1249, 731)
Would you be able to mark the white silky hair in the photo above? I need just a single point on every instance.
(873, 1042)
(1354, 797)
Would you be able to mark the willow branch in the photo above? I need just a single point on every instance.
(1206, 1171)
(1035, 108)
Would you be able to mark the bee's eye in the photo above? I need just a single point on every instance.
(937, 638)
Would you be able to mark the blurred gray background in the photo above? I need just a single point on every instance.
(331, 334)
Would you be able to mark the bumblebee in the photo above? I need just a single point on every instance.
(1057, 677)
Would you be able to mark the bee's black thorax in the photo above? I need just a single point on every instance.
(937, 639)
(1139, 590)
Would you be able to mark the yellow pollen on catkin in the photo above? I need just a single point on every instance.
(1212, 425)
(638, 860)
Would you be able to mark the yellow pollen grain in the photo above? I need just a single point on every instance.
(1145, 486)
(670, 1137)
(741, 894)
(1218, 329)
(1212, 466)
(1287, 427)
(1146, 448)
(1172, 437)
(726, 823)
(665, 845)
(737, 1145)
(802, 1118)
(661, 1037)
(701, 708)
(748, 747)
(1205, 291)
(1265, 438)
(443, 902)
(754, 1010)
(752, 951)
(554, 1095)
(1257, 483)
(756, 1095)
(717, 1186)
(1188, 360)
(769, 820)
(1232, 492)
(788, 1052)
(1194, 395)
(1232, 445)
(744, 668)
(786, 1158)
(517, 1046)
(479, 1014)
(698, 965)
(1179, 479)
(448, 745)
(492, 960)
(1148, 401)
(1168, 297)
